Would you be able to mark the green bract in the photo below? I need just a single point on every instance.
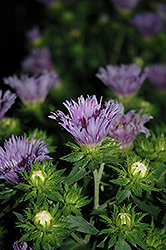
(124, 229)
(92, 156)
(134, 177)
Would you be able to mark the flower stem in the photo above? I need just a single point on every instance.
(97, 174)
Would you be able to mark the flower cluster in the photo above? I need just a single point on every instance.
(126, 127)
(89, 123)
(157, 75)
(33, 35)
(21, 246)
(124, 80)
(125, 5)
(33, 89)
(38, 61)
(18, 155)
(147, 24)
(6, 102)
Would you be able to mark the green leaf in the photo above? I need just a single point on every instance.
(122, 195)
(75, 175)
(135, 238)
(122, 245)
(73, 157)
(80, 224)
(54, 196)
(120, 181)
(30, 195)
(112, 241)
(19, 216)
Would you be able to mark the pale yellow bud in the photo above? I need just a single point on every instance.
(35, 177)
(140, 168)
(43, 218)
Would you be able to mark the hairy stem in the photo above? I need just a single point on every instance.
(97, 174)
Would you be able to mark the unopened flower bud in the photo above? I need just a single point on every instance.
(124, 219)
(140, 168)
(37, 177)
(43, 218)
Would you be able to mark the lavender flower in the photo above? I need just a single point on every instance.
(33, 89)
(124, 81)
(33, 35)
(88, 121)
(18, 155)
(125, 5)
(21, 246)
(6, 102)
(157, 75)
(161, 10)
(38, 61)
(147, 24)
(126, 127)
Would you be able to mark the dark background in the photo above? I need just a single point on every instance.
(16, 18)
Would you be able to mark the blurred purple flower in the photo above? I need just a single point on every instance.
(33, 89)
(6, 102)
(126, 127)
(125, 5)
(34, 34)
(18, 155)
(157, 75)
(124, 80)
(38, 61)
(147, 24)
(161, 10)
(88, 122)
(21, 246)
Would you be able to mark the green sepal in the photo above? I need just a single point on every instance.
(80, 225)
(122, 245)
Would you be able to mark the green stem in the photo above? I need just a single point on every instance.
(97, 177)
(78, 239)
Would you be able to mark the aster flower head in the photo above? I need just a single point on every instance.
(33, 35)
(18, 155)
(147, 24)
(157, 75)
(125, 5)
(124, 80)
(33, 89)
(38, 61)
(126, 127)
(161, 10)
(88, 122)
(6, 102)
(21, 246)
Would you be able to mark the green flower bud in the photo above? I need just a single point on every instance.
(43, 218)
(123, 219)
(37, 177)
(138, 168)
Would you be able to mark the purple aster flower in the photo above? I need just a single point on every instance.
(125, 5)
(21, 246)
(6, 102)
(33, 89)
(147, 24)
(126, 127)
(161, 10)
(88, 122)
(18, 155)
(124, 81)
(34, 34)
(157, 75)
(38, 61)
